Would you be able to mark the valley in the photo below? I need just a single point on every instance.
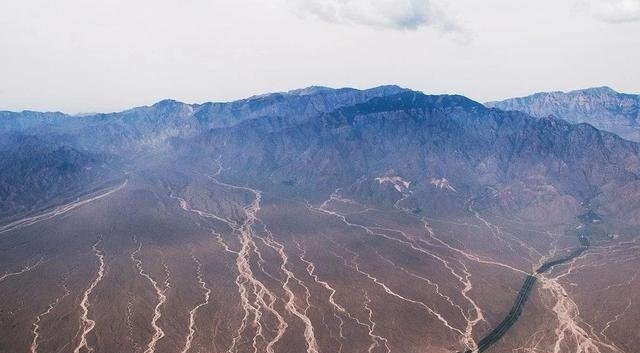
(371, 221)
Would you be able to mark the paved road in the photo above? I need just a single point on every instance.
(516, 310)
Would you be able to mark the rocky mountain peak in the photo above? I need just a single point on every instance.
(602, 107)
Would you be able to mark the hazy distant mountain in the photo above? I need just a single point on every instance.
(601, 107)
(152, 127)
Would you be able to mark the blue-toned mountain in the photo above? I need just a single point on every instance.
(601, 107)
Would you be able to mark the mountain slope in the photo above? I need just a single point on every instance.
(349, 134)
(37, 171)
(46, 154)
(601, 107)
(422, 137)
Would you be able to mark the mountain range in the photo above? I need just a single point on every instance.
(348, 134)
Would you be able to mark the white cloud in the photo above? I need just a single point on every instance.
(394, 14)
(79, 55)
(617, 11)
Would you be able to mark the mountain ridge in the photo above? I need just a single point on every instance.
(602, 107)
(423, 137)
(364, 132)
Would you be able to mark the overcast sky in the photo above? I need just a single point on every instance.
(106, 55)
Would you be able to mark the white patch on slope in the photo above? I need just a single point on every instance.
(443, 183)
(398, 182)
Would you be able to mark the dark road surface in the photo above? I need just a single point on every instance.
(516, 310)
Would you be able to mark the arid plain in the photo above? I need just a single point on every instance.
(189, 263)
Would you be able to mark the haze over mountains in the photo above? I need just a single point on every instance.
(323, 220)
(601, 107)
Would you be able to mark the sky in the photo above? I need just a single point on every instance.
(107, 55)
